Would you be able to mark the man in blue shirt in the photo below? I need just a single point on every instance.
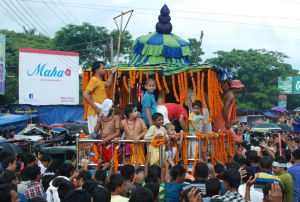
(294, 171)
(148, 102)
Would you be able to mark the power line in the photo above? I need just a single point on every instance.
(181, 11)
(10, 16)
(34, 19)
(58, 9)
(17, 15)
(70, 13)
(53, 12)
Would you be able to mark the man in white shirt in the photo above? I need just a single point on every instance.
(45, 163)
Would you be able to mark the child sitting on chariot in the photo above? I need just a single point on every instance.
(158, 135)
(134, 129)
(108, 125)
(174, 144)
(197, 125)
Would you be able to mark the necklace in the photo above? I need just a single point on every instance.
(131, 124)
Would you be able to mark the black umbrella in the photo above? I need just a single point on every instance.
(11, 148)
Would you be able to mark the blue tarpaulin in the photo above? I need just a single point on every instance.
(18, 121)
(50, 114)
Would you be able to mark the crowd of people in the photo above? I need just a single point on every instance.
(262, 167)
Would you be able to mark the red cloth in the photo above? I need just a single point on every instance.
(107, 151)
(175, 110)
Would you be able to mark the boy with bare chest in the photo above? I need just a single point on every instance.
(135, 129)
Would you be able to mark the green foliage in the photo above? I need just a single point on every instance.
(258, 70)
(14, 41)
(196, 54)
(91, 42)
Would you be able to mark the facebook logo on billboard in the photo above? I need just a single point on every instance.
(30, 95)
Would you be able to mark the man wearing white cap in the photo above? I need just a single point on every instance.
(222, 121)
(279, 168)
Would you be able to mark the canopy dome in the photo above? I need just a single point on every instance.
(161, 47)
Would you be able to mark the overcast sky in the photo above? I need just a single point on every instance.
(240, 24)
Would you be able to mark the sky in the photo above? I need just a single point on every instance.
(231, 24)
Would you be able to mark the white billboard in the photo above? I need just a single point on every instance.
(48, 77)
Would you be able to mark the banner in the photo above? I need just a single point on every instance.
(282, 101)
(2, 64)
(286, 85)
(296, 85)
(48, 77)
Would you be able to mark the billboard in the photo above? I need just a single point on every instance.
(282, 101)
(48, 77)
(286, 85)
(2, 64)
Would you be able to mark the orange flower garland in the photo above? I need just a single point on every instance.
(186, 85)
(180, 88)
(198, 84)
(194, 86)
(158, 142)
(185, 152)
(202, 91)
(147, 76)
(210, 97)
(141, 78)
(157, 82)
(115, 160)
(174, 88)
(165, 85)
(125, 84)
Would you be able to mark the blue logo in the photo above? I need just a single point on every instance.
(30, 96)
(41, 70)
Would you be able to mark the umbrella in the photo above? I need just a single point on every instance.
(265, 127)
(279, 109)
(11, 148)
(297, 109)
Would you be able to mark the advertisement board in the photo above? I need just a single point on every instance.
(48, 77)
(286, 85)
(2, 64)
(296, 85)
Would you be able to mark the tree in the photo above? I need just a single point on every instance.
(258, 70)
(91, 42)
(14, 41)
(196, 53)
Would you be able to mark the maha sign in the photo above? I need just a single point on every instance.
(48, 77)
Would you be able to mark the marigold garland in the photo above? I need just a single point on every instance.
(115, 160)
(125, 84)
(198, 84)
(194, 86)
(157, 82)
(165, 84)
(158, 142)
(210, 98)
(120, 74)
(147, 76)
(202, 91)
(174, 88)
(185, 152)
(141, 78)
(186, 85)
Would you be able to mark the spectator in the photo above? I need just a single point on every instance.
(9, 164)
(63, 189)
(45, 163)
(232, 180)
(117, 188)
(273, 192)
(82, 178)
(100, 177)
(255, 195)
(154, 188)
(101, 194)
(52, 191)
(70, 156)
(265, 175)
(141, 195)
(172, 190)
(253, 159)
(294, 171)
(34, 188)
(219, 169)
(212, 188)
(279, 169)
(66, 169)
(201, 176)
(127, 172)
(8, 193)
(89, 186)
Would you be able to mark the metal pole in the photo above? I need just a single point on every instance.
(101, 151)
(77, 151)
(124, 151)
(160, 156)
(199, 151)
(111, 50)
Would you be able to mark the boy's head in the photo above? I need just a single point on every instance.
(232, 179)
(201, 171)
(127, 171)
(117, 184)
(34, 173)
(213, 187)
(170, 129)
(141, 194)
(83, 177)
(150, 85)
(296, 156)
(154, 188)
(30, 160)
(10, 178)
(178, 173)
(153, 175)
(131, 111)
(250, 173)
(101, 194)
(66, 169)
(279, 164)
(100, 176)
(197, 106)
(9, 163)
(98, 68)
(46, 160)
(65, 187)
(265, 163)
(158, 119)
